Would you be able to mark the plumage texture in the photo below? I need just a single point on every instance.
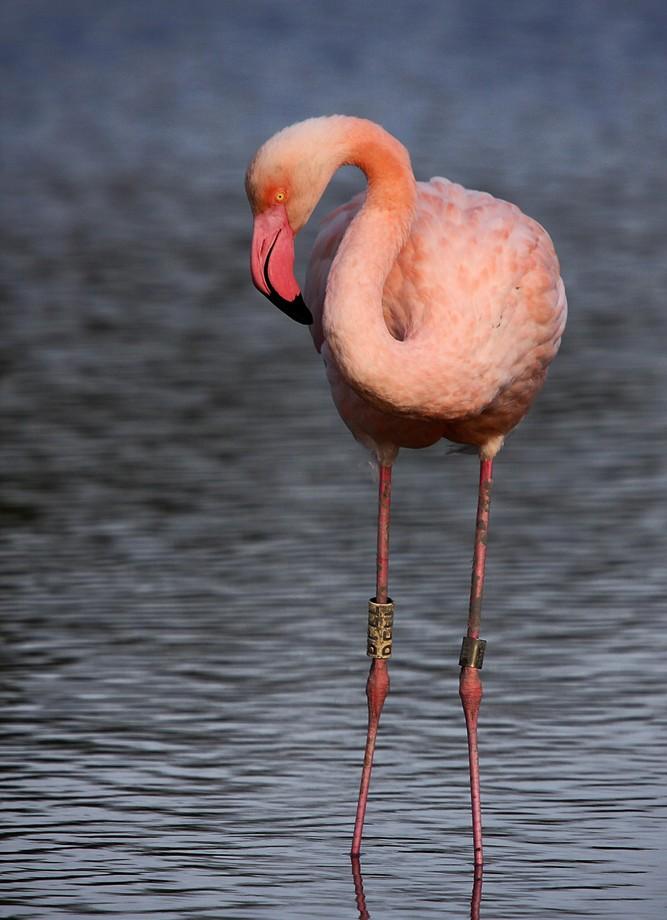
(437, 309)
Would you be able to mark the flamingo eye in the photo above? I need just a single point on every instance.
(280, 196)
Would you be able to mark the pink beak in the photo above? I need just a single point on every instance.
(272, 263)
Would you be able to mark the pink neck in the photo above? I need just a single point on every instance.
(355, 329)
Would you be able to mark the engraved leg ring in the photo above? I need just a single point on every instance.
(380, 628)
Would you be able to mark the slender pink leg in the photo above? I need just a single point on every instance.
(476, 896)
(470, 686)
(377, 686)
(384, 507)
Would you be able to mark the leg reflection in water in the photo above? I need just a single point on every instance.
(360, 897)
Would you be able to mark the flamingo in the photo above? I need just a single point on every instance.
(437, 311)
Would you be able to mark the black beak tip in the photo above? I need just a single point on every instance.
(295, 309)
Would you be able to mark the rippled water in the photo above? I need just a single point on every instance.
(187, 529)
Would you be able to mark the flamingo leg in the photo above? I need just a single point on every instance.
(377, 685)
(472, 653)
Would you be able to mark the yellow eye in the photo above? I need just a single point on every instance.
(280, 196)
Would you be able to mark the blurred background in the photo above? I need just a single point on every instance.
(187, 528)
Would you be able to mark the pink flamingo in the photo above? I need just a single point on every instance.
(437, 311)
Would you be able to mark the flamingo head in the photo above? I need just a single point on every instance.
(284, 182)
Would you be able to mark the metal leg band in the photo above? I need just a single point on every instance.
(380, 629)
(472, 653)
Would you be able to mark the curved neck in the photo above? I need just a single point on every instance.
(353, 318)
(386, 164)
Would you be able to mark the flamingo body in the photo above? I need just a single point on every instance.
(437, 311)
(477, 283)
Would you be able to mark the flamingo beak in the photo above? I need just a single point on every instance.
(272, 263)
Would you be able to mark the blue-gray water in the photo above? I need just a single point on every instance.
(188, 529)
